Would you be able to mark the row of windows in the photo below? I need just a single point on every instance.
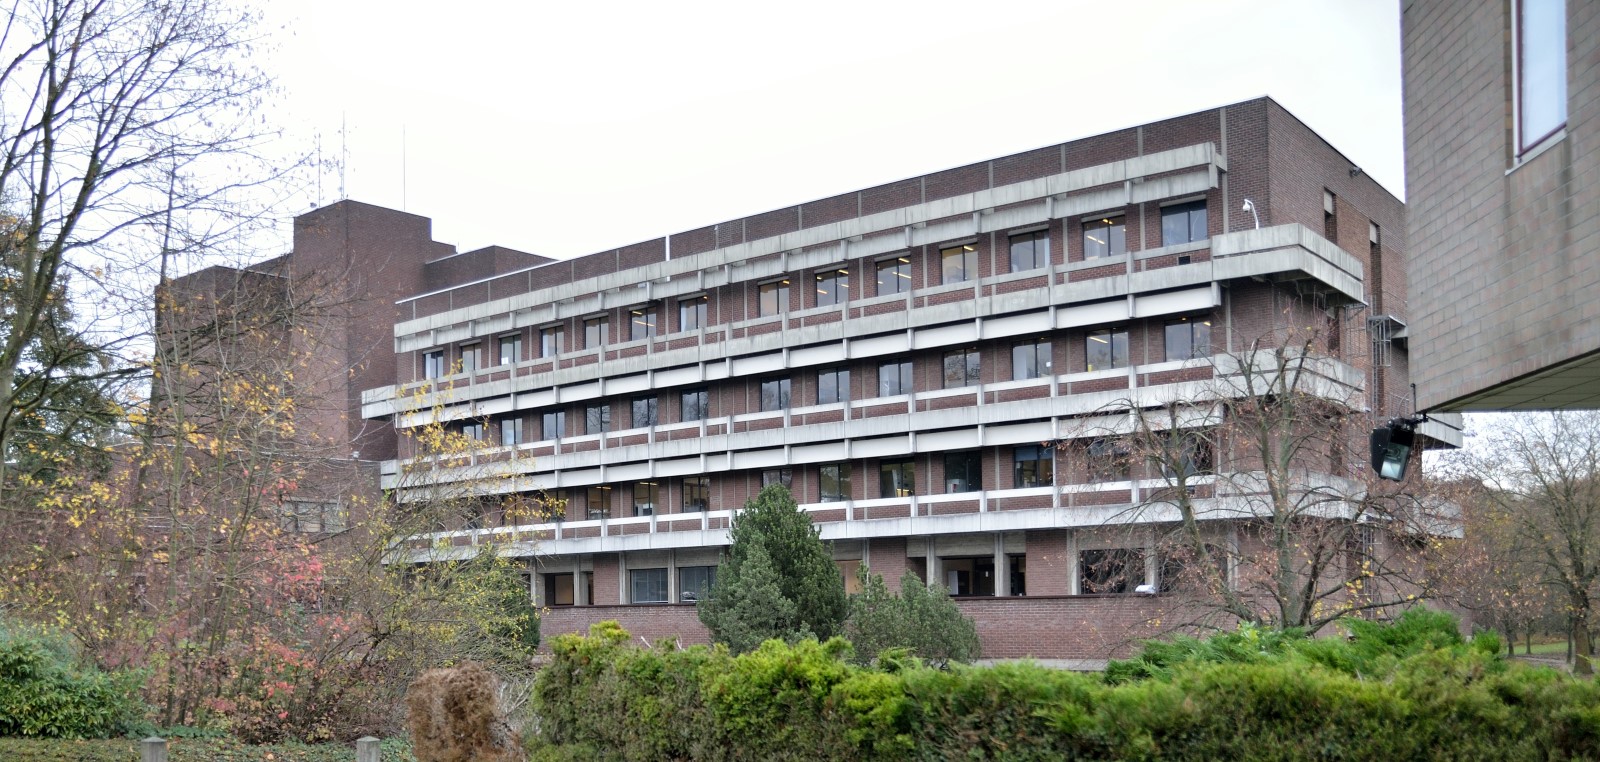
(1105, 349)
(1031, 466)
(1106, 237)
(1109, 571)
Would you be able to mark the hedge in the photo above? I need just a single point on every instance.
(1414, 690)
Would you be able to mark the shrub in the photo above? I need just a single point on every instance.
(456, 717)
(45, 692)
(1409, 690)
(921, 620)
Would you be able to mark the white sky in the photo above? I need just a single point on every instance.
(568, 128)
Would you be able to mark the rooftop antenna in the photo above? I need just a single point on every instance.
(319, 168)
(344, 154)
(403, 167)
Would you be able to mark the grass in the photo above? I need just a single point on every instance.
(188, 750)
(1558, 647)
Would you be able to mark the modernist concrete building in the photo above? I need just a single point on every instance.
(904, 357)
(1502, 112)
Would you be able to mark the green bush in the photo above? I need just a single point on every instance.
(920, 620)
(1409, 690)
(45, 693)
(189, 750)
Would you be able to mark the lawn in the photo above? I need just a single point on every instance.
(188, 750)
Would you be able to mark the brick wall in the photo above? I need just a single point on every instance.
(1064, 627)
(1504, 263)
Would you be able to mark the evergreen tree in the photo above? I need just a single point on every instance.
(778, 580)
(921, 619)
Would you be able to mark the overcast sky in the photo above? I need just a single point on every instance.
(568, 128)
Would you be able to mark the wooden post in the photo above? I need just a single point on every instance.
(153, 750)
(367, 749)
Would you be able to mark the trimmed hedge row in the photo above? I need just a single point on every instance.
(1381, 696)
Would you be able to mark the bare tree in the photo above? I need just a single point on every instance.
(1248, 478)
(1540, 474)
(129, 131)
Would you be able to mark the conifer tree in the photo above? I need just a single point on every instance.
(774, 547)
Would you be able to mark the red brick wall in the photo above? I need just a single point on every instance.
(1060, 627)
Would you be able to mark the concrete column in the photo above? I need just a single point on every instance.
(931, 556)
(1072, 563)
(367, 749)
(580, 591)
(1002, 570)
(672, 575)
(622, 577)
(153, 749)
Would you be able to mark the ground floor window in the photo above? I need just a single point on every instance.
(558, 590)
(1115, 570)
(647, 586)
(694, 582)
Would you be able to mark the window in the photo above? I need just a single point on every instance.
(1192, 453)
(1035, 466)
(558, 590)
(645, 495)
(962, 368)
(433, 364)
(1107, 461)
(833, 386)
(1030, 250)
(833, 287)
(598, 502)
(647, 585)
(695, 582)
(644, 412)
(894, 378)
(1110, 571)
(550, 340)
(694, 405)
(597, 419)
(696, 493)
(1188, 338)
(469, 358)
(1330, 218)
(510, 349)
(960, 263)
(834, 482)
(1030, 359)
(554, 425)
(775, 394)
(472, 430)
(1183, 223)
(594, 332)
(641, 323)
(773, 476)
(1541, 71)
(897, 478)
(313, 516)
(963, 472)
(1107, 348)
(774, 297)
(894, 276)
(692, 312)
(510, 431)
(1105, 237)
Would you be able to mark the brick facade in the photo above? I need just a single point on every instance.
(1505, 237)
(1112, 254)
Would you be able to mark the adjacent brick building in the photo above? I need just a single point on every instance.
(904, 357)
(1502, 114)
